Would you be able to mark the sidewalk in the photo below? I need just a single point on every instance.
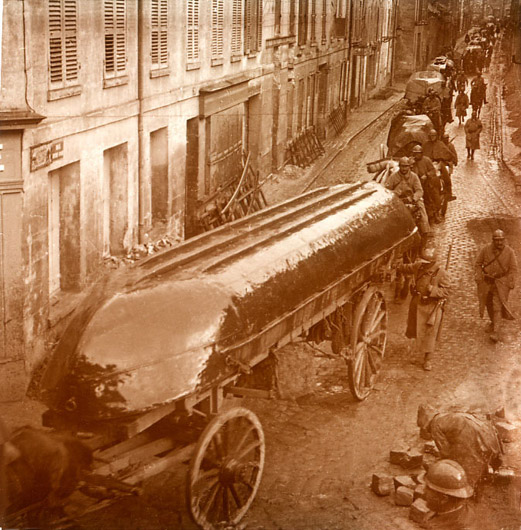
(291, 181)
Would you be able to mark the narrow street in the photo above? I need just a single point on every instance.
(322, 447)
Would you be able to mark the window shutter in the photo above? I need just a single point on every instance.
(163, 56)
(159, 33)
(217, 28)
(63, 45)
(154, 32)
(55, 41)
(236, 27)
(110, 65)
(192, 44)
(248, 16)
(324, 21)
(121, 36)
(313, 35)
(115, 15)
(258, 43)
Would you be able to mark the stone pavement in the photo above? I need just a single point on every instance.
(280, 186)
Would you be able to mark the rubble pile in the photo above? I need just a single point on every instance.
(140, 251)
(407, 489)
(405, 485)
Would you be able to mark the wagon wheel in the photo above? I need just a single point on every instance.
(368, 339)
(226, 469)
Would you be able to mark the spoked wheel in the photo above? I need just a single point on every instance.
(226, 469)
(368, 340)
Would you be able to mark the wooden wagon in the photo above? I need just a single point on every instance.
(150, 355)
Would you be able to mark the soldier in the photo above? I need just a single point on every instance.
(432, 107)
(430, 181)
(473, 129)
(495, 274)
(439, 151)
(431, 288)
(461, 104)
(407, 186)
(446, 493)
(461, 436)
(446, 103)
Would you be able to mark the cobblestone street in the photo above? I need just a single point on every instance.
(326, 447)
(323, 447)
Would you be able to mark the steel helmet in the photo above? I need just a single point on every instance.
(433, 132)
(404, 162)
(417, 149)
(448, 477)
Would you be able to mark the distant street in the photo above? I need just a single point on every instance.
(322, 448)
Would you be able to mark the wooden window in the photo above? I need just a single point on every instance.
(313, 31)
(159, 33)
(303, 22)
(237, 27)
(278, 16)
(63, 42)
(292, 17)
(217, 28)
(324, 21)
(115, 14)
(253, 26)
(192, 31)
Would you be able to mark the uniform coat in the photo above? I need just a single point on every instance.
(471, 442)
(503, 267)
(473, 129)
(432, 285)
(462, 104)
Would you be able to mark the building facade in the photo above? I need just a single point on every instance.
(118, 117)
(427, 28)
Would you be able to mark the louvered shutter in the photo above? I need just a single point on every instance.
(258, 39)
(248, 19)
(115, 15)
(324, 21)
(192, 44)
(313, 34)
(63, 44)
(121, 36)
(159, 33)
(217, 28)
(236, 27)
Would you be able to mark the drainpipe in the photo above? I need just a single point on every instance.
(141, 54)
(350, 58)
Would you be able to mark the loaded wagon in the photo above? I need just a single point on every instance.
(153, 352)
(419, 82)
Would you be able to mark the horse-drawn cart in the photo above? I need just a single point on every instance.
(152, 353)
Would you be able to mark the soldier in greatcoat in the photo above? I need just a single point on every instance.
(429, 294)
(495, 274)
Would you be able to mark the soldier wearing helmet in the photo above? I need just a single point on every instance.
(495, 274)
(432, 107)
(461, 436)
(429, 294)
(438, 151)
(446, 494)
(430, 181)
(407, 186)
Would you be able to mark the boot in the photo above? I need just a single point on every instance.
(427, 365)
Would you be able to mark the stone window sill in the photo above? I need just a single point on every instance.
(193, 66)
(218, 61)
(235, 58)
(110, 82)
(159, 72)
(65, 92)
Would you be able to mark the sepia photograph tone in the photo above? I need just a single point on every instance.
(259, 264)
